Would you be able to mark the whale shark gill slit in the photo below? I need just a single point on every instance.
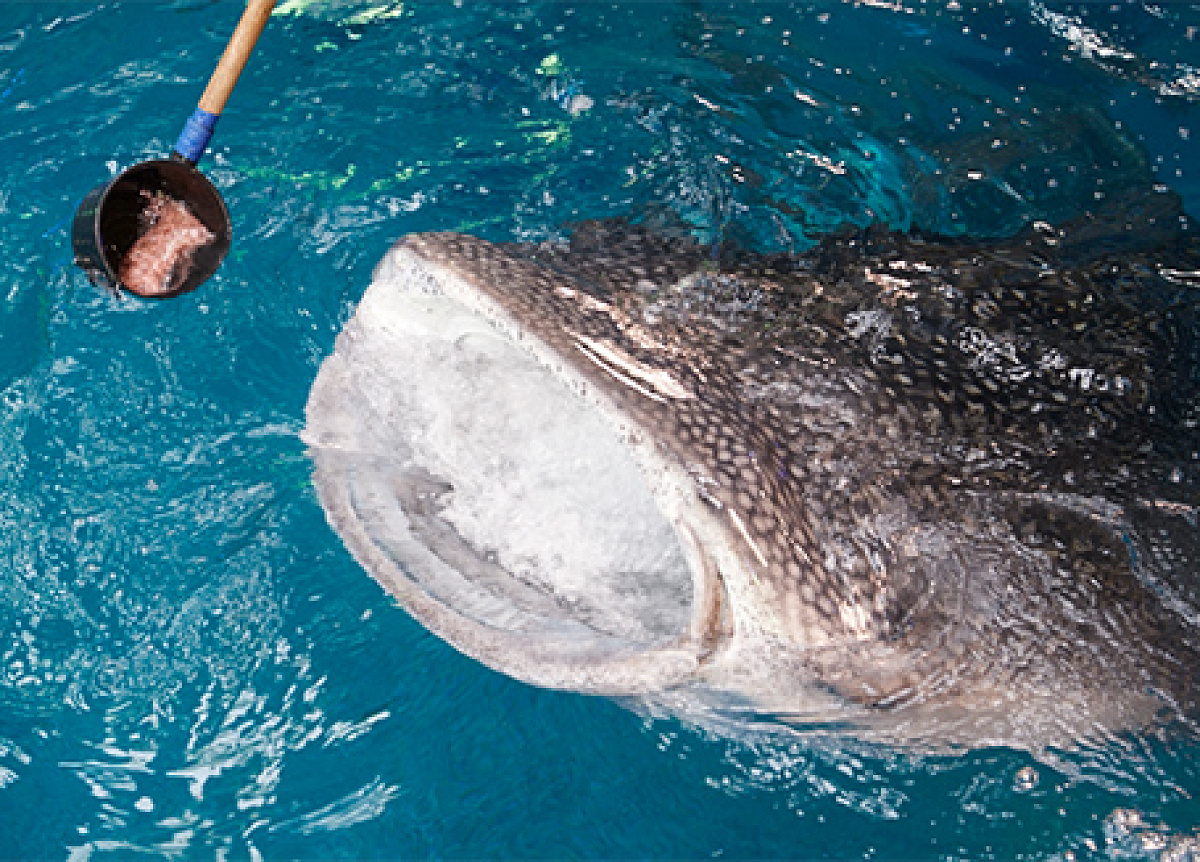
(933, 489)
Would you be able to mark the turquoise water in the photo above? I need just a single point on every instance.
(193, 666)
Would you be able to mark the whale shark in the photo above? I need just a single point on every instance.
(927, 489)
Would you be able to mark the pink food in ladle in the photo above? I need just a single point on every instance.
(159, 261)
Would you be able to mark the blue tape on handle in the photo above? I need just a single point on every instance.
(196, 134)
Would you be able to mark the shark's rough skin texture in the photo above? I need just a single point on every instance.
(937, 491)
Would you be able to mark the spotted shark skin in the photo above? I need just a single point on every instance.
(949, 483)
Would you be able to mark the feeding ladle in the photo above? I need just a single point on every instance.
(114, 216)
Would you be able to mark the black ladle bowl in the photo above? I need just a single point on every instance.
(110, 220)
(111, 217)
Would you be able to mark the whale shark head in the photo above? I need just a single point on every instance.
(892, 481)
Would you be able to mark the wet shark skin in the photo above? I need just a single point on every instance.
(918, 474)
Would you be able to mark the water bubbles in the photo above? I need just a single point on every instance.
(1129, 834)
(1026, 779)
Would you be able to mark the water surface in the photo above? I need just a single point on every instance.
(192, 664)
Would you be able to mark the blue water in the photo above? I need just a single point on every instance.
(192, 666)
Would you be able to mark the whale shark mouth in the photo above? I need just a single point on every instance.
(476, 480)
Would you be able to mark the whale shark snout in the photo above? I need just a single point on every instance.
(942, 488)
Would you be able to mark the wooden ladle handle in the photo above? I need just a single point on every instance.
(198, 130)
(237, 52)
